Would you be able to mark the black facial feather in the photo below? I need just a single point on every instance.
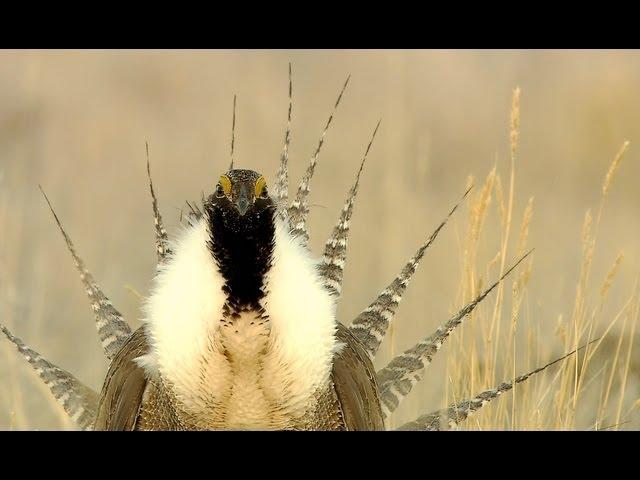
(241, 243)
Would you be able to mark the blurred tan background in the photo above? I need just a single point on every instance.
(76, 122)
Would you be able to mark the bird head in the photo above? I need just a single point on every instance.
(240, 200)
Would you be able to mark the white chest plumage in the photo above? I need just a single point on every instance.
(254, 371)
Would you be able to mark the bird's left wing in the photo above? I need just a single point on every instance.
(355, 384)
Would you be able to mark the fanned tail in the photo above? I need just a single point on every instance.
(371, 325)
(335, 250)
(112, 329)
(398, 378)
(299, 210)
(458, 412)
(78, 400)
(282, 176)
(162, 240)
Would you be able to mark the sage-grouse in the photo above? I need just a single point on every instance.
(240, 327)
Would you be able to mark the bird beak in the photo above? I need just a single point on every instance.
(243, 201)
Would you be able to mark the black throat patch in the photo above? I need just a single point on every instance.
(242, 247)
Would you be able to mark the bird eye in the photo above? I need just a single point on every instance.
(261, 188)
(224, 187)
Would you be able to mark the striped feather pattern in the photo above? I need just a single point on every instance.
(299, 209)
(370, 327)
(335, 250)
(78, 400)
(458, 412)
(162, 240)
(282, 176)
(112, 328)
(401, 374)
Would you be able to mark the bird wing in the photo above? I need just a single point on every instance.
(124, 386)
(355, 384)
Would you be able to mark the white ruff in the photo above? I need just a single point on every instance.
(275, 369)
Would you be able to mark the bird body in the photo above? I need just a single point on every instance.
(240, 331)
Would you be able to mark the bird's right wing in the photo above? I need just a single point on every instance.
(124, 386)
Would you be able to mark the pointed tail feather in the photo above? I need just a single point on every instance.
(162, 240)
(371, 325)
(233, 132)
(112, 329)
(282, 176)
(335, 250)
(299, 210)
(458, 412)
(398, 378)
(78, 400)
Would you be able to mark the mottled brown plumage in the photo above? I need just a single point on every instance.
(131, 401)
(355, 384)
(124, 386)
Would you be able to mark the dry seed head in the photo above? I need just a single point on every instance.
(610, 276)
(479, 208)
(493, 261)
(614, 167)
(586, 229)
(561, 329)
(501, 205)
(524, 228)
(525, 275)
(515, 121)
(519, 284)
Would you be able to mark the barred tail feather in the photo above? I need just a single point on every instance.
(458, 412)
(282, 176)
(401, 374)
(299, 210)
(233, 133)
(112, 328)
(77, 400)
(335, 250)
(162, 240)
(370, 327)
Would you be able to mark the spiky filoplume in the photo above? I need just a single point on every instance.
(282, 176)
(299, 210)
(162, 240)
(77, 400)
(335, 250)
(458, 412)
(371, 325)
(401, 374)
(112, 328)
(233, 132)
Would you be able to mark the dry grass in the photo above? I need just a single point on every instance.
(499, 343)
(76, 122)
